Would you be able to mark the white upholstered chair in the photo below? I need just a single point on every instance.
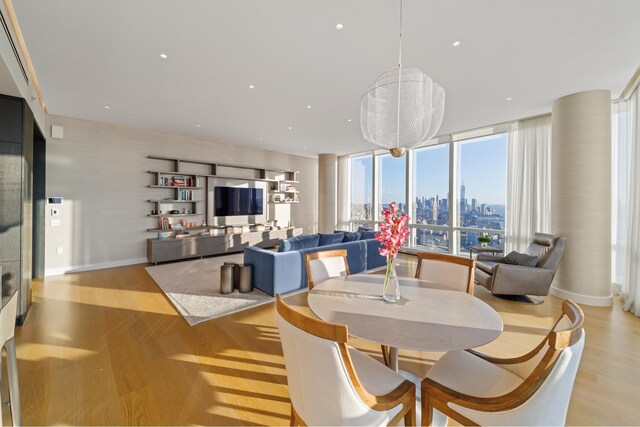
(452, 271)
(324, 265)
(7, 328)
(534, 389)
(331, 383)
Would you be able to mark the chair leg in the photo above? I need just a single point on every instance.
(386, 355)
(292, 421)
(410, 417)
(427, 410)
(14, 388)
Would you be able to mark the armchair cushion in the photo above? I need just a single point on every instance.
(367, 234)
(463, 372)
(486, 266)
(516, 258)
(521, 280)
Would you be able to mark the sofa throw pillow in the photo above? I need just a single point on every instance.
(330, 239)
(516, 258)
(364, 228)
(367, 234)
(297, 243)
(350, 237)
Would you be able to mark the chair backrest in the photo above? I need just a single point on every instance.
(548, 376)
(8, 319)
(548, 248)
(324, 265)
(323, 386)
(452, 271)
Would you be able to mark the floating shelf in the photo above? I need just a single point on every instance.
(285, 203)
(173, 201)
(157, 216)
(177, 229)
(175, 186)
(280, 192)
(175, 173)
(291, 182)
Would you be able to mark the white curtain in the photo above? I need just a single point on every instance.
(630, 290)
(343, 193)
(528, 182)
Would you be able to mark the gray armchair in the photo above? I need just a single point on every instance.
(518, 282)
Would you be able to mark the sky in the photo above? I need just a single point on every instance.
(482, 166)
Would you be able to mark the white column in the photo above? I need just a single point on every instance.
(581, 195)
(327, 192)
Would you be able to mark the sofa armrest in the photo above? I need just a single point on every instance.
(511, 279)
(494, 258)
(275, 272)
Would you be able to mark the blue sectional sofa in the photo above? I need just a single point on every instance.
(284, 271)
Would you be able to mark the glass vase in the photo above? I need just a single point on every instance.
(391, 291)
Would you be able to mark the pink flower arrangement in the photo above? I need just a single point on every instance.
(394, 231)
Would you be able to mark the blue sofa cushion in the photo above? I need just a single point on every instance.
(368, 234)
(330, 239)
(297, 243)
(363, 228)
(350, 237)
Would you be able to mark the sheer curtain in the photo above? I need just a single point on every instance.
(528, 181)
(630, 290)
(343, 193)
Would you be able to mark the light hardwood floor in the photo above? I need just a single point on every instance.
(106, 347)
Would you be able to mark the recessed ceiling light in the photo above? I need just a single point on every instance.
(106, 107)
(305, 147)
(290, 127)
(163, 55)
(339, 27)
(197, 126)
(260, 138)
(308, 106)
(251, 87)
(456, 44)
(348, 120)
(509, 99)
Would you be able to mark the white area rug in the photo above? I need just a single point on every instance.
(193, 287)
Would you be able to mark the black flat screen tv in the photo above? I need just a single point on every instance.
(229, 201)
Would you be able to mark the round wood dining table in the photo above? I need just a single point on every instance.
(428, 317)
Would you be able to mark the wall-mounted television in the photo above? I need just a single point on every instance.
(229, 201)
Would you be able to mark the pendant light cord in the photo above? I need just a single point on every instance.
(399, 80)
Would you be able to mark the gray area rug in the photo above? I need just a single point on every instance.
(193, 287)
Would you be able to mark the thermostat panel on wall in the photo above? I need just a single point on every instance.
(55, 200)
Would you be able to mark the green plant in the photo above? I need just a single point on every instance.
(484, 239)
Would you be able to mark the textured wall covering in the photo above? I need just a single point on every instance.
(327, 192)
(581, 195)
(100, 170)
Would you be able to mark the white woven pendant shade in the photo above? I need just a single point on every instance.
(402, 108)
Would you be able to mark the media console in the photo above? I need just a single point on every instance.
(171, 249)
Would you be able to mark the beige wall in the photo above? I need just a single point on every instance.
(581, 195)
(100, 170)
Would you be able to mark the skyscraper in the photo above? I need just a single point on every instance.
(463, 199)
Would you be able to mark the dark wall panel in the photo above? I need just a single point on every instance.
(10, 200)
(10, 119)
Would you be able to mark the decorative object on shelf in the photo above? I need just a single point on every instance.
(401, 108)
(164, 234)
(393, 234)
(484, 240)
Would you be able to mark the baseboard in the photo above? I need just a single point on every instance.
(88, 267)
(582, 299)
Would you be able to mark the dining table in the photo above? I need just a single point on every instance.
(427, 317)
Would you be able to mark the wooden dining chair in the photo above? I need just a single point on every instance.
(534, 389)
(331, 383)
(452, 271)
(324, 265)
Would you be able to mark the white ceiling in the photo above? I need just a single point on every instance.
(92, 53)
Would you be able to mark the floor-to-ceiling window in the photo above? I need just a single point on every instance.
(361, 189)
(481, 174)
(391, 182)
(454, 190)
(430, 207)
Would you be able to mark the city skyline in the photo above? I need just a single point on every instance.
(481, 168)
